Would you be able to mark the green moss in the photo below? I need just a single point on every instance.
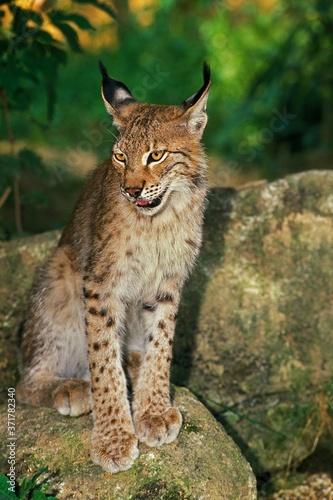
(160, 490)
(313, 189)
(251, 202)
(190, 426)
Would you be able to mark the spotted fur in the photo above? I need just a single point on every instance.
(104, 306)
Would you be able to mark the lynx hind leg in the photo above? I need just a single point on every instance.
(133, 365)
(54, 351)
(69, 396)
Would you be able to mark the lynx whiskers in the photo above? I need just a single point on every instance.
(104, 306)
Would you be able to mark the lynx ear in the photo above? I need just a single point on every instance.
(195, 114)
(116, 97)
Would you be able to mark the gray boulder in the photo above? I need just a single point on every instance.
(203, 463)
(255, 335)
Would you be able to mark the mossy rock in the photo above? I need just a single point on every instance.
(203, 463)
(254, 335)
(256, 318)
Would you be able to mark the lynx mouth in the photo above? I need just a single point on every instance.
(150, 204)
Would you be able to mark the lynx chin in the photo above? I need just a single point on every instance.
(103, 309)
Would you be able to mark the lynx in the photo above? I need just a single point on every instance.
(102, 311)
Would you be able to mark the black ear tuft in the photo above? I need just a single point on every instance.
(206, 73)
(195, 106)
(114, 93)
(197, 96)
(103, 71)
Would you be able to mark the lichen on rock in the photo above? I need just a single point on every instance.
(203, 463)
(261, 327)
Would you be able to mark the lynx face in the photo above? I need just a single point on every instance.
(147, 184)
(150, 169)
(156, 151)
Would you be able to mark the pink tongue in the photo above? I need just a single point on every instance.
(142, 203)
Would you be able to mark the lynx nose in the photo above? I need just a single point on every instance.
(134, 191)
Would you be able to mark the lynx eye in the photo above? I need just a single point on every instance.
(120, 157)
(155, 156)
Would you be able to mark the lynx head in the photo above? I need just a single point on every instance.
(157, 154)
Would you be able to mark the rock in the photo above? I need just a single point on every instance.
(255, 328)
(315, 487)
(18, 262)
(203, 463)
(254, 336)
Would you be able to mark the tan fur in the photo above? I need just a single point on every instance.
(110, 292)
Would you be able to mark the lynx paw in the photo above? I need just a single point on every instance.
(116, 453)
(72, 397)
(157, 429)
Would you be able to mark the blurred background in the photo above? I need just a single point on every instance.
(270, 108)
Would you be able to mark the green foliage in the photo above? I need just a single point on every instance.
(268, 64)
(167, 54)
(26, 160)
(30, 57)
(29, 489)
(298, 76)
(272, 92)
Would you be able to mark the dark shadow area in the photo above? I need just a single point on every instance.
(219, 206)
(46, 203)
(321, 460)
(217, 217)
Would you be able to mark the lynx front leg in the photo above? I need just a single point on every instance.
(156, 421)
(114, 443)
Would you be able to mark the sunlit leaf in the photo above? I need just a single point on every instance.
(70, 35)
(100, 5)
(81, 21)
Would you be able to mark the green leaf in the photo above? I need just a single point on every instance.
(20, 21)
(44, 36)
(70, 35)
(25, 487)
(39, 495)
(100, 5)
(41, 471)
(5, 493)
(36, 18)
(105, 8)
(28, 485)
(58, 55)
(81, 21)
